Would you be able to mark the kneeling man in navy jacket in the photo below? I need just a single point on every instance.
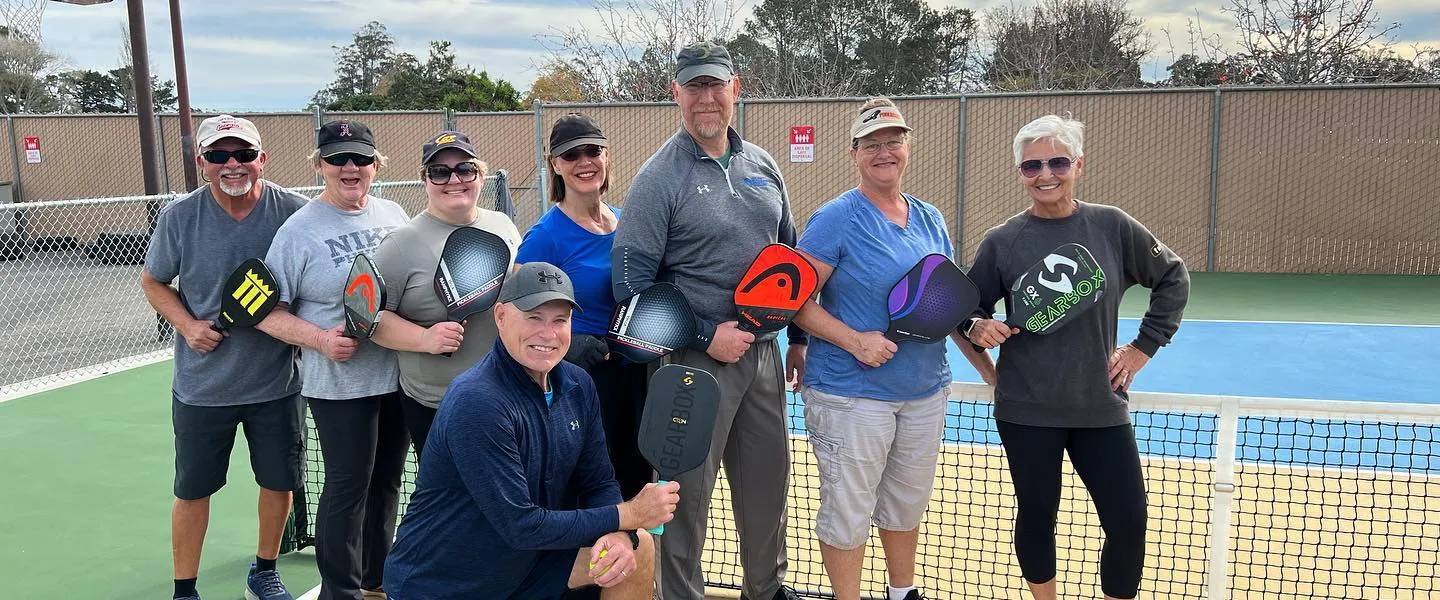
(516, 497)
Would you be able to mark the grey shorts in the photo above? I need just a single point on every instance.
(205, 435)
(876, 460)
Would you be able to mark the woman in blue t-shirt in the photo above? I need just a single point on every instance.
(875, 431)
(576, 235)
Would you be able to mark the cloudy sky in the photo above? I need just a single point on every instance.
(272, 55)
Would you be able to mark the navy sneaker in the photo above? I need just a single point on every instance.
(188, 598)
(265, 585)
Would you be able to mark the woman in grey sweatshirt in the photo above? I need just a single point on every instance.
(1061, 381)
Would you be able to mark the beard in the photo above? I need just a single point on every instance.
(239, 189)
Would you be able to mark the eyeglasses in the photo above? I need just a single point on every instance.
(874, 147)
(1059, 165)
(695, 88)
(220, 157)
(440, 174)
(340, 159)
(573, 154)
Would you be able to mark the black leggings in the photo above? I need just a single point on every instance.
(621, 386)
(1107, 460)
(362, 442)
(418, 419)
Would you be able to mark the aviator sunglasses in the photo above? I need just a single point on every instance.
(1059, 165)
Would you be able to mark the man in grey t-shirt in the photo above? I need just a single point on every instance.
(220, 381)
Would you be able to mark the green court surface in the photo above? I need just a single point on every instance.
(86, 506)
(88, 467)
(1311, 298)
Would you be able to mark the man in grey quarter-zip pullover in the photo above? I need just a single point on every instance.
(698, 212)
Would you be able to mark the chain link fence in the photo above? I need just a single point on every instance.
(1276, 180)
(70, 282)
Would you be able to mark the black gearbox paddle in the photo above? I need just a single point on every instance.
(1057, 288)
(651, 324)
(678, 421)
(364, 298)
(472, 267)
(247, 296)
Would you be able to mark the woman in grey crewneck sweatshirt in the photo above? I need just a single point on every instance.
(1061, 380)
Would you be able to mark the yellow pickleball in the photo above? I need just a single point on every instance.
(607, 569)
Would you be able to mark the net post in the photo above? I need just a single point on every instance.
(1226, 440)
(542, 170)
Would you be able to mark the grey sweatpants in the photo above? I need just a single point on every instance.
(751, 441)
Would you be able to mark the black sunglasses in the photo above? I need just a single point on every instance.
(573, 154)
(340, 159)
(1059, 165)
(440, 174)
(220, 157)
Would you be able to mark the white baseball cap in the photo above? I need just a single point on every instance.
(219, 127)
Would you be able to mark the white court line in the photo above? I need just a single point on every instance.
(310, 595)
(59, 380)
(1340, 323)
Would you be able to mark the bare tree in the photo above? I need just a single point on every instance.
(630, 55)
(1065, 44)
(1309, 41)
(29, 76)
(799, 48)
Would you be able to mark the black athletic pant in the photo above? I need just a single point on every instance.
(363, 443)
(1107, 460)
(418, 419)
(621, 386)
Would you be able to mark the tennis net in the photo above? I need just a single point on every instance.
(1248, 498)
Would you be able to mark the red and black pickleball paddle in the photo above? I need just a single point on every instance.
(364, 298)
(778, 282)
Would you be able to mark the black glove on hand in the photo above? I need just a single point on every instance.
(587, 351)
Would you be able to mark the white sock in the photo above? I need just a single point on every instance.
(899, 593)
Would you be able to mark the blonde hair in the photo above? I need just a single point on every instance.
(1067, 130)
(380, 159)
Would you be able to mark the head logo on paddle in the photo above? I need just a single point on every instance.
(247, 296)
(1053, 291)
(678, 421)
(778, 282)
(364, 298)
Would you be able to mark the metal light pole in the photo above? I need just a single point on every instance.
(144, 101)
(182, 92)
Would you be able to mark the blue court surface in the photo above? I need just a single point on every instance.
(1322, 361)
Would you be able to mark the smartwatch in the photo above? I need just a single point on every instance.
(965, 329)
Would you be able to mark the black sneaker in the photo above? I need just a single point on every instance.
(784, 593)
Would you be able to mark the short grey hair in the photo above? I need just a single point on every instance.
(380, 159)
(1066, 130)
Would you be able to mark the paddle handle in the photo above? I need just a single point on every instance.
(659, 529)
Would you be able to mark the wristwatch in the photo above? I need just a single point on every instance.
(965, 328)
(634, 539)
